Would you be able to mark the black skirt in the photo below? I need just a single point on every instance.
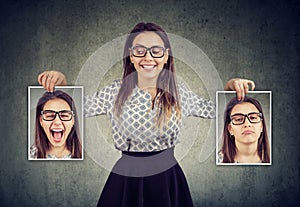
(146, 179)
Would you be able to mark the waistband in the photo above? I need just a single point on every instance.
(142, 164)
(142, 154)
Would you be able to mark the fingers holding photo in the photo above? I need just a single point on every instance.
(50, 79)
(241, 86)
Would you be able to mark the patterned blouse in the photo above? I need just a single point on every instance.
(136, 129)
(34, 151)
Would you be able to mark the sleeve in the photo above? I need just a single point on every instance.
(33, 152)
(100, 102)
(220, 157)
(194, 105)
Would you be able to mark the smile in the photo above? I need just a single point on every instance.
(148, 67)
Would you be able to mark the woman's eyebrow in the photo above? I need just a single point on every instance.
(138, 44)
(236, 114)
(57, 111)
(253, 112)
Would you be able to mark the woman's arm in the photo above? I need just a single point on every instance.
(241, 86)
(50, 79)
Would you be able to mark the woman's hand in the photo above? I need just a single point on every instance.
(241, 86)
(50, 79)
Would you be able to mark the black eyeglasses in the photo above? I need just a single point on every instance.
(141, 51)
(64, 115)
(238, 119)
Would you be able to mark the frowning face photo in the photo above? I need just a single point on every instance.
(244, 136)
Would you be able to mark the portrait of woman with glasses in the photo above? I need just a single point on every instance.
(146, 109)
(245, 136)
(57, 133)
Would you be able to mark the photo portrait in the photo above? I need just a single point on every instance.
(55, 123)
(243, 128)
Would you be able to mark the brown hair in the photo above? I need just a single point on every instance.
(73, 140)
(166, 82)
(228, 148)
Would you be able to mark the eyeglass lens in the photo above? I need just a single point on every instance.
(65, 115)
(155, 51)
(238, 119)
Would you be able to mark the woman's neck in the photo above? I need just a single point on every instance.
(247, 153)
(149, 86)
(58, 152)
(144, 83)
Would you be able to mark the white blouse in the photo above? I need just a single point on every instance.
(136, 130)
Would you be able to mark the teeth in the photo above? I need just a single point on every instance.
(57, 130)
(148, 67)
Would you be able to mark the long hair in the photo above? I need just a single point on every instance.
(73, 140)
(228, 148)
(166, 82)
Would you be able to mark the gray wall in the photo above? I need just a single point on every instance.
(256, 39)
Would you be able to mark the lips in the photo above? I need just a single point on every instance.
(247, 132)
(57, 134)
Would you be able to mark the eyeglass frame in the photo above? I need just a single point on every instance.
(57, 113)
(148, 49)
(247, 116)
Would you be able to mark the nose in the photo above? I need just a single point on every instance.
(148, 56)
(247, 122)
(57, 120)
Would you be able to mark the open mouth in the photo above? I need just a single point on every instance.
(57, 134)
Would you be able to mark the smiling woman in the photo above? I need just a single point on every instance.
(146, 109)
(56, 128)
(148, 64)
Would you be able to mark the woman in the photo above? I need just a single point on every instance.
(56, 128)
(146, 109)
(245, 138)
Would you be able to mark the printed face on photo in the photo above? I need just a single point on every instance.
(57, 121)
(246, 125)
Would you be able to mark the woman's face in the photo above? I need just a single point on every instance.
(246, 133)
(57, 131)
(148, 68)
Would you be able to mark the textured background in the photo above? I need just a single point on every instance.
(254, 39)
